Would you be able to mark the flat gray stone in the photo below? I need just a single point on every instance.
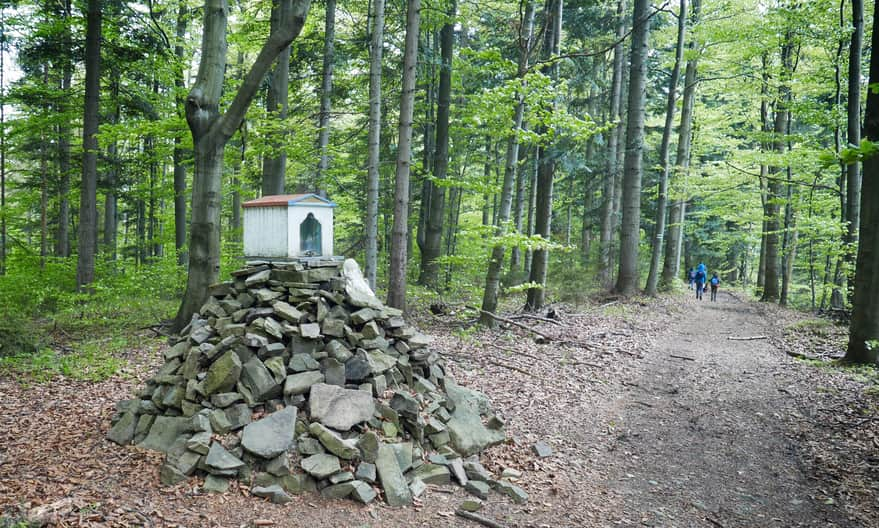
(542, 449)
(362, 492)
(321, 465)
(334, 372)
(259, 380)
(335, 444)
(220, 458)
(468, 434)
(274, 493)
(287, 312)
(164, 432)
(303, 363)
(272, 435)
(309, 330)
(301, 383)
(223, 374)
(432, 474)
(238, 416)
(215, 484)
(391, 477)
(123, 432)
(478, 488)
(511, 490)
(338, 491)
(365, 472)
(225, 399)
(368, 443)
(339, 408)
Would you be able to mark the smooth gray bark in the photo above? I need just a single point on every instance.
(628, 278)
(853, 118)
(374, 139)
(546, 164)
(274, 165)
(662, 196)
(432, 247)
(210, 133)
(180, 154)
(864, 328)
(326, 91)
(605, 236)
(399, 257)
(678, 210)
(496, 261)
(88, 209)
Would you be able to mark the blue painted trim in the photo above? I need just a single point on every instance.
(326, 203)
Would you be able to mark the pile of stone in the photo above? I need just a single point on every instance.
(295, 377)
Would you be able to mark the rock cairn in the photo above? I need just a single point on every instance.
(295, 377)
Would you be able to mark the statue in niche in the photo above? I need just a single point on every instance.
(310, 236)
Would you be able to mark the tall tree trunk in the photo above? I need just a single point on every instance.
(545, 174)
(210, 133)
(519, 209)
(864, 328)
(376, 45)
(429, 141)
(773, 224)
(662, 197)
(678, 211)
(274, 164)
(496, 261)
(627, 280)
(111, 213)
(63, 238)
(853, 114)
(532, 207)
(323, 141)
(399, 259)
(432, 249)
(88, 210)
(2, 141)
(611, 172)
(180, 153)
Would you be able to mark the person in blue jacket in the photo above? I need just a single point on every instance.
(715, 282)
(691, 277)
(700, 282)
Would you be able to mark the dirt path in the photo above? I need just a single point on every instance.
(729, 434)
(704, 435)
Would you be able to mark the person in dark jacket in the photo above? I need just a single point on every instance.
(714, 282)
(700, 283)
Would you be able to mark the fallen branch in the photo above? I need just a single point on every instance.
(484, 521)
(688, 358)
(751, 338)
(536, 318)
(514, 323)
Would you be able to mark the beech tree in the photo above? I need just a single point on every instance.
(627, 281)
(863, 344)
(376, 44)
(399, 235)
(211, 131)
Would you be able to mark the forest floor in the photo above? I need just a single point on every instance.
(672, 412)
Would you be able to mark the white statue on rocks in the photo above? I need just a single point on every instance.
(358, 290)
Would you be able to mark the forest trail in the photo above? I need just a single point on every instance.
(704, 436)
(653, 420)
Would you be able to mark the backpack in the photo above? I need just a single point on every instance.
(715, 281)
(700, 276)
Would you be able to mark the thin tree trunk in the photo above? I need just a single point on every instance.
(853, 114)
(210, 133)
(519, 209)
(399, 259)
(88, 211)
(662, 198)
(782, 115)
(323, 143)
(429, 137)
(496, 261)
(374, 139)
(611, 174)
(180, 154)
(532, 206)
(536, 297)
(627, 280)
(432, 249)
(63, 238)
(274, 164)
(678, 211)
(2, 142)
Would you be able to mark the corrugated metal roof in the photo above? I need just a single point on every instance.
(280, 200)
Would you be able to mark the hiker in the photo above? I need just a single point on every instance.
(714, 283)
(700, 282)
(691, 276)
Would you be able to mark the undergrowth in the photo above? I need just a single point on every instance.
(47, 329)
